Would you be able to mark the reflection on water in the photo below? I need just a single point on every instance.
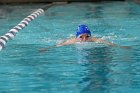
(94, 12)
(97, 62)
(109, 70)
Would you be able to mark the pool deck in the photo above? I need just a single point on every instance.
(137, 1)
(46, 1)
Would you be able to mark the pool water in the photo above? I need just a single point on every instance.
(79, 68)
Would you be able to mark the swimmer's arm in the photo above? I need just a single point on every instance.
(46, 49)
(99, 40)
(63, 44)
(68, 42)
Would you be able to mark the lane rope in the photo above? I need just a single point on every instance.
(22, 24)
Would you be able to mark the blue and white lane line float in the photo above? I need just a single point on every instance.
(12, 32)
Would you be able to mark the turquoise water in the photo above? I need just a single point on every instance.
(79, 68)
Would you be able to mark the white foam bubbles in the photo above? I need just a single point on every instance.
(88, 45)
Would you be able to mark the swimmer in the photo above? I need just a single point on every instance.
(83, 34)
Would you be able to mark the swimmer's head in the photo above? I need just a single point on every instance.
(82, 29)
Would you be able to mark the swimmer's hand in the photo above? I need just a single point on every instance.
(126, 47)
(42, 49)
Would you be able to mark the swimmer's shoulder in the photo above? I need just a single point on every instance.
(95, 39)
(72, 40)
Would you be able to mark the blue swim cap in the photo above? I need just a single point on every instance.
(82, 29)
